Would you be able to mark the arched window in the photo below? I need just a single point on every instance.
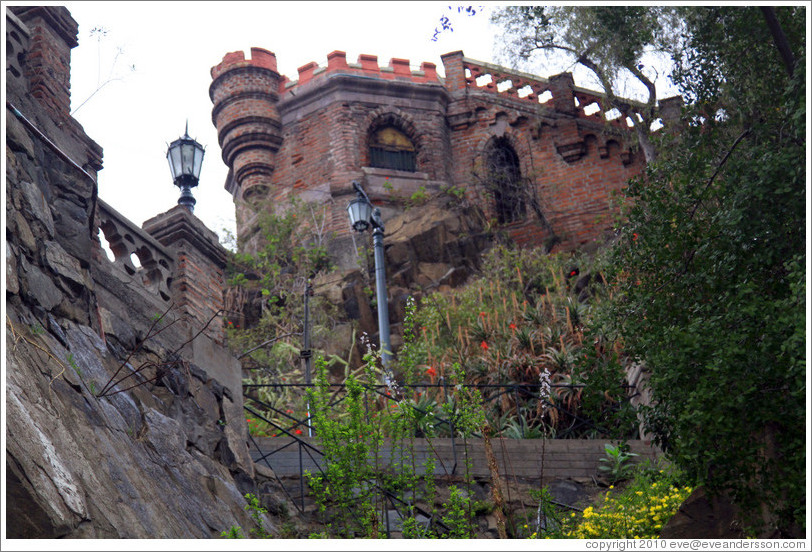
(504, 181)
(389, 148)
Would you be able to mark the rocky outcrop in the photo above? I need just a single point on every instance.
(164, 461)
(435, 246)
(704, 517)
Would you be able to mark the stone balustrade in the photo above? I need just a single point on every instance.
(138, 257)
(563, 95)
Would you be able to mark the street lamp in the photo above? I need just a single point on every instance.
(185, 158)
(362, 216)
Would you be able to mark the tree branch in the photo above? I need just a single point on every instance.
(264, 343)
(779, 38)
(652, 90)
(716, 172)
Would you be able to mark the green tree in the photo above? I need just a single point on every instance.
(711, 266)
(618, 45)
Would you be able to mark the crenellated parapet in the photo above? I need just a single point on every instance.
(557, 92)
(399, 69)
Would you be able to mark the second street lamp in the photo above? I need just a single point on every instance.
(362, 216)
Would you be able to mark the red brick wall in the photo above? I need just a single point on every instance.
(199, 288)
(53, 34)
(573, 161)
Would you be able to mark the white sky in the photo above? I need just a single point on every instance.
(173, 46)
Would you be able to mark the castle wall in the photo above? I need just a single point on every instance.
(572, 156)
(571, 161)
(326, 116)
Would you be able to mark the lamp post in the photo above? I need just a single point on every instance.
(362, 216)
(185, 158)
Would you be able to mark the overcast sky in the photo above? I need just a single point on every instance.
(142, 70)
(156, 57)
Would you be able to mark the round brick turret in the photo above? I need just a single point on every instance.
(249, 130)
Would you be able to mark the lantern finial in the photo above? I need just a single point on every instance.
(185, 158)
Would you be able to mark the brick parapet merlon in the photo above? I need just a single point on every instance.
(180, 224)
(38, 41)
(198, 287)
(399, 69)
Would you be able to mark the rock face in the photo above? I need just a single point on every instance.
(432, 247)
(704, 517)
(150, 463)
(164, 459)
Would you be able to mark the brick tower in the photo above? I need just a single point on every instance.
(249, 129)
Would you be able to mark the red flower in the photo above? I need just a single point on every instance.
(484, 346)
(298, 432)
(634, 236)
(289, 411)
(482, 314)
(431, 371)
(249, 420)
(573, 273)
(512, 326)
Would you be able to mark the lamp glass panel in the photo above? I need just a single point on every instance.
(198, 162)
(169, 160)
(360, 212)
(175, 161)
(187, 157)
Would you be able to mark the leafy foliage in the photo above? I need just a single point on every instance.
(710, 267)
(617, 462)
(707, 280)
(520, 319)
(348, 483)
(288, 250)
(638, 512)
(256, 511)
(354, 483)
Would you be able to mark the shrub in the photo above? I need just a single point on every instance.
(639, 511)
